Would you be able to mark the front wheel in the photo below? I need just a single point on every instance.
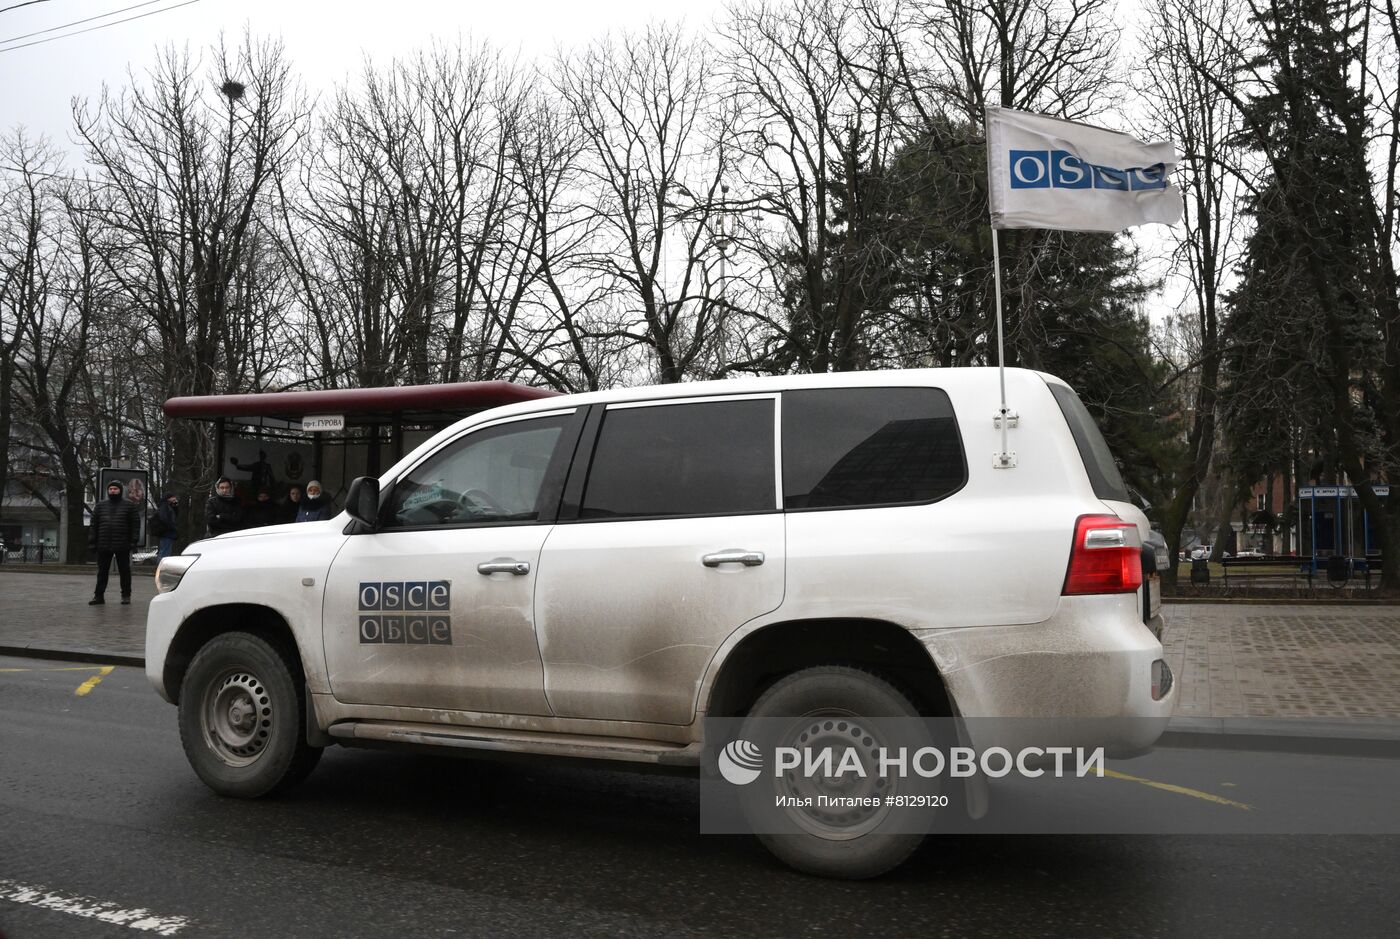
(243, 719)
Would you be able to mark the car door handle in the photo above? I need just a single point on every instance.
(733, 556)
(503, 566)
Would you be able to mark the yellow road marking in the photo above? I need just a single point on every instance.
(1179, 790)
(91, 683)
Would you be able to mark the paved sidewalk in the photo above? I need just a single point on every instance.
(1284, 661)
(1241, 669)
(48, 613)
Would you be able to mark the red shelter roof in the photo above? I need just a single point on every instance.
(361, 405)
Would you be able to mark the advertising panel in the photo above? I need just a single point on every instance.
(136, 487)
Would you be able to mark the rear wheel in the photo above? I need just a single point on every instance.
(830, 706)
(243, 718)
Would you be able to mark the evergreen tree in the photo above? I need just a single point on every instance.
(1309, 317)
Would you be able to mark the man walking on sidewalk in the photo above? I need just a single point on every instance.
(116, 526)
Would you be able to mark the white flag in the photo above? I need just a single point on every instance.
(1047, 173)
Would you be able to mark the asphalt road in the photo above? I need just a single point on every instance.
(105, 831)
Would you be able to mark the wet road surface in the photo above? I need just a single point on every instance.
(105, 831)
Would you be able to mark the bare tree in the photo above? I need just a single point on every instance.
(574, 341)
(1205, 126)
(658, 140)
(820, 92)
(401, 242)
(188, 163)
(59, 297)
(25, 212)
(1055, 57)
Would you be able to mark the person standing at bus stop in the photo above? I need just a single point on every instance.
(291, 507)
(116, 526)
(316, 506)
(165, 524)
(223, 512)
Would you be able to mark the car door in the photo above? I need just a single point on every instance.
(433, 609)
(673, 540)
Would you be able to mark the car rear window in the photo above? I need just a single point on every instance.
(864, 447)
(1093, 449)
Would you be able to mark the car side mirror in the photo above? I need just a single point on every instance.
(362, 502)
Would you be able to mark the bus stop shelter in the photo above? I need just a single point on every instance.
(277, 440)
(1333, 523)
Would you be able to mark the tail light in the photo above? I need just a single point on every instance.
(1106, 557)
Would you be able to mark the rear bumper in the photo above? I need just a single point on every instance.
(1085, 676)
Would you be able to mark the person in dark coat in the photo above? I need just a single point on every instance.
(316, 506)
(292, 506)
(223, 512)
(165, 524)
(262, 512)
(116, 527)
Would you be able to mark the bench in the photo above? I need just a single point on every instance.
(1299, 565)
(1255, 568)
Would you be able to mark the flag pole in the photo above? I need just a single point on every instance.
(1004, 419)
(1004, 459)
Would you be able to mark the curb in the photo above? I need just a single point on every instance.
(53, 568)
(1282, 601)
(1284, 735)
(93, 656)
(143, 570)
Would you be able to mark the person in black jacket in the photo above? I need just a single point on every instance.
(165, 524)
(262, 512)
(290, 508)
(116, 526)
(223, 512)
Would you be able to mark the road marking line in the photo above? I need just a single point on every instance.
(91, 908)
(66, 668)
(91, 683)
(1179, 790)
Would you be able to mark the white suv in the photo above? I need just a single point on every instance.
(593, 575)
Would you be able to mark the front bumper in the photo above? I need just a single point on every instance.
(163, 618)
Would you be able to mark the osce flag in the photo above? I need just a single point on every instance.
(1047, 173)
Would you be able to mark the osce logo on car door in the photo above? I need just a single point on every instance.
(412, 612)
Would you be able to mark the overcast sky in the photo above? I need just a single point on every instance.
(41, 73)
(325, 40)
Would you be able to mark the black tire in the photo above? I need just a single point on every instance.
(243, 718)
(853, 693)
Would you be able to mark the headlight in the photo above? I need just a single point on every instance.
(169, 571)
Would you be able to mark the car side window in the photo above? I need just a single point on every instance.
(490, 476)
(865, 447)
(683, 459)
